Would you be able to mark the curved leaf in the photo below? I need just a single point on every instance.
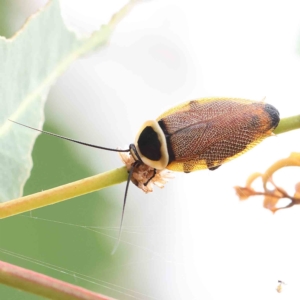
(30, 62)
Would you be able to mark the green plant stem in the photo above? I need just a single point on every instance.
(64, 192)
(43, 285)
(93, 183)
(288, 124)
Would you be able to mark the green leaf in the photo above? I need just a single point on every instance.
(30, 62)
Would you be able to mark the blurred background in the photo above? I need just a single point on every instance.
(193, 239)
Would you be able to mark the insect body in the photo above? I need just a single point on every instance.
(195, 135)
(204, 133)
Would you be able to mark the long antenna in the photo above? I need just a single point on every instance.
(98, 147)
(71, 140)
(123, 210)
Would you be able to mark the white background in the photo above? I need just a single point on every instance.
(205, 243)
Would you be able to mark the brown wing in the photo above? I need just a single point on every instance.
(201, 110)
(206, 133)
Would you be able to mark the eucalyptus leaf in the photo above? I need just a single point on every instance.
(30, 62)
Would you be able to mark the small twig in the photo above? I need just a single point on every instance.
(43, 285)
(272, 196)
(97, 182)
(288, 124)
(64, 192)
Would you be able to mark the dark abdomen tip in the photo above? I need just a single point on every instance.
(274, 115)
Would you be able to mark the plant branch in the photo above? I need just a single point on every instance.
(288, 124)
(43, 285)
(93, 183)
(64, 192)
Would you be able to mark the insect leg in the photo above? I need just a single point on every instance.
(154, 173)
